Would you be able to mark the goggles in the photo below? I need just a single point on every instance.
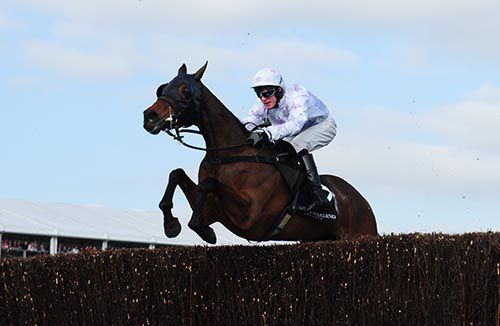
(267, 92)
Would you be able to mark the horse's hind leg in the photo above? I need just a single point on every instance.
(177, 177)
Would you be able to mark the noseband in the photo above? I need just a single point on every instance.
(171, 119)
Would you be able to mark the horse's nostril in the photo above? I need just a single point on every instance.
(151, 116)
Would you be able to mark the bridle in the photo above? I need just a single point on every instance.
(172, 119)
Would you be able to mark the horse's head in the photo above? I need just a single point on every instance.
(178, 103)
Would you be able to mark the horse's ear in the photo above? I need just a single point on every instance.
(200, 72)
(159, 91)
(182, 69)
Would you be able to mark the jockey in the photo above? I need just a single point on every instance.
(296, 116)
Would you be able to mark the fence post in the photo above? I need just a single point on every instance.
(53, 243)
(152, 243)
(105, 241)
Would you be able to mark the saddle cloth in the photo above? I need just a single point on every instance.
(293, 171)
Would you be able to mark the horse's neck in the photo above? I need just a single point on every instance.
(218, 125)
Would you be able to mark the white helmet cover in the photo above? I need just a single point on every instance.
(268, 77)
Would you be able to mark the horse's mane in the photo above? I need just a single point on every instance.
(212, 100)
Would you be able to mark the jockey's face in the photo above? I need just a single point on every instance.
(268, 96)
(269, 102)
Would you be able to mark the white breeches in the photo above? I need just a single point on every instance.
(314, 137)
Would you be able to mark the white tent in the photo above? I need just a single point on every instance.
(98, 223)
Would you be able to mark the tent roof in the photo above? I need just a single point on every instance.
(96, 222)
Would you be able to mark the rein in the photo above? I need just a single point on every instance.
(179, 137)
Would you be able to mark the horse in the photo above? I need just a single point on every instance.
(247, 196)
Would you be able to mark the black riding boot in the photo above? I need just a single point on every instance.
(321, 198)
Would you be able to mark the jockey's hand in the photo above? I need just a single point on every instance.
(258, 136)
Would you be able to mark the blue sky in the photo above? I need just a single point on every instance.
(414, 87)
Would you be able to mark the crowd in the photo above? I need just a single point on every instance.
(75, 249)
(18, 247)
(35, 246)
(28, 246)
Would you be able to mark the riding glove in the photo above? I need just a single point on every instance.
(258, 136)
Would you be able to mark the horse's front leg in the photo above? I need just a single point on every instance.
(200, 222)
(177, 177)
(203, 212)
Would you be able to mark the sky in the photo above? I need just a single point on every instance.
(413, 85)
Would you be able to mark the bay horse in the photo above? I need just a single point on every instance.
(247, 197)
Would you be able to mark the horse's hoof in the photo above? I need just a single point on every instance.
(172, 228)
(207, 234)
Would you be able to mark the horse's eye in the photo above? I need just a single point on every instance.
(184, 91)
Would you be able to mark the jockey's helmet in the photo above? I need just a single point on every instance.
(267, 77)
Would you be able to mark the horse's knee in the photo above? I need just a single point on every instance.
(177, 174)
(164, 205)
(176, 177)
